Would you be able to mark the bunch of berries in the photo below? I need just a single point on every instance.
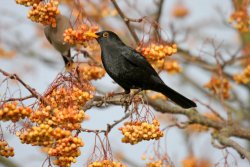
(37, 135)
(158, 163)
(28, 2)
(244, 77)
(106, 163)
(5, 150)
(191, 161)
(172, 66)
(45, 13)
(180, 11)
(66, 150)
(158, 160)
(6, 54)
(157, 64)
(66, 118)
(12, 112)
(63, 97)
(135, 132)
(65, 108)
(56, 122)
(88, 72)
(240, 20)
(81, 35)
(57, 142)
(219, 86)
(42, 135)
(68, 2)
(154, 52)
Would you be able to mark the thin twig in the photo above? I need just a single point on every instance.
(17, 99)
(30, 89)
(127, 21)
(224, 140)
(158, 17)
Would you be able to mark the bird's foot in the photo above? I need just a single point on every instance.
(126, 99)
(112, 94)
(134, 94)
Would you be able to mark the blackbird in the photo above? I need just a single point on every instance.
(131, 70)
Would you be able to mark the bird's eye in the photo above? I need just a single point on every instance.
(106, 35)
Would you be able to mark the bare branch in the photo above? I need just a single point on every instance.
(127, 21)
(225, 141)
(162, 106)
(30, 89)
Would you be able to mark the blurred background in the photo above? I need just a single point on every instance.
(208, 46)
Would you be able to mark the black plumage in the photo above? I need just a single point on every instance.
(131, 70)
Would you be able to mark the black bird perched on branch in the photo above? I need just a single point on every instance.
(131, 70)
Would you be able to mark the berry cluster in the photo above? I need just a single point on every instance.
(5, 150)
(80, 35)
(172, 66)
(155, 52)
(63, 97)
(106, 163)
(189, 161)
(12, 112)
(56, 122)
(66, 150)
(219, 86)
(66, 1)
(158, 163)
(28, 2)
(6, 54)
(42, 135)
(65, 110)
(192, 161)
(135, 132)
(57, 142)
(45, 13)
(91, 72)
(240, 20)
(244, 77)
(180, 11)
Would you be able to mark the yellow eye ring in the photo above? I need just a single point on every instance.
(105, 34)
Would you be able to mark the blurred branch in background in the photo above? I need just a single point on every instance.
(7, 163)
(173, 38)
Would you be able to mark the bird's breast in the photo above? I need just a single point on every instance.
(114, 63)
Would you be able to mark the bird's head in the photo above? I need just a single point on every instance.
(107, 37)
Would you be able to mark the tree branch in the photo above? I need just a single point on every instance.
(225, 141)
(162, 106)
(127, 21)
(158, 16)
(196, 118)
(30, 89)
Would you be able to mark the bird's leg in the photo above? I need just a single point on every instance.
(111, 94)
(126, 94)
(133, 95)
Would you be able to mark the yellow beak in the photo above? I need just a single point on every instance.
(92, 34)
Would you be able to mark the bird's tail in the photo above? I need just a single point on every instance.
(175, 96)
(67, 58)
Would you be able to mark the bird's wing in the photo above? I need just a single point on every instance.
(46, 32)
(138, 60)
